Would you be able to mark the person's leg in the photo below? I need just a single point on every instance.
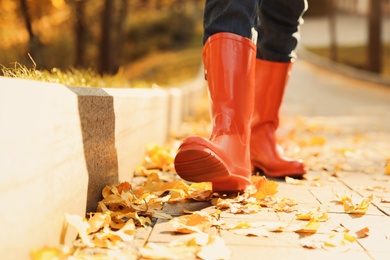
(278, 36)
(278, 30)
(229, 58)
(233, 16)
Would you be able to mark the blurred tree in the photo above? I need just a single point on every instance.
(375, 36)
(33, 38)
(80, 29)
(113, 16)
(332, 10)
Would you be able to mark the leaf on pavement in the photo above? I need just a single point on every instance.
(293, 181)
(387, 167)
(309, 228)
(192, 246)
(195, 222)
(200, 191)
(313, 214)
(353, 206)
(264, 187)
(362, 233)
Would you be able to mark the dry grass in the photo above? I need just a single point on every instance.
(71, 77)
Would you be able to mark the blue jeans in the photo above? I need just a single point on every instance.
(272, 24)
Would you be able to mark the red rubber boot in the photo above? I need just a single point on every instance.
(266, 155)
(224, 158)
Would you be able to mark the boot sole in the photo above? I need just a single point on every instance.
(201, 164)
(279, 174)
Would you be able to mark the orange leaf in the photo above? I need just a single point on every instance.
(124, 186)
(387, 168)
(364, 232)
(196, 222)
(264, 187)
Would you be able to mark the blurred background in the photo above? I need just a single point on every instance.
(159, 41)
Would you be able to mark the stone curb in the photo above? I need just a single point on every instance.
(61, 145)
(342, 69)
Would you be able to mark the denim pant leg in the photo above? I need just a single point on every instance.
(234, 16)
(278, 30)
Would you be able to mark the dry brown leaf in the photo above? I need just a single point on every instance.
(385, 200)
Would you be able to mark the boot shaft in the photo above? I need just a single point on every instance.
(229, 62)
(270, 82)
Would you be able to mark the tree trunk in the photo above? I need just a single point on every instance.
(332, 10)
(120, 31)
(33, 39)
(374, 36)
(106, 43)
(80, 32)
(27, 19)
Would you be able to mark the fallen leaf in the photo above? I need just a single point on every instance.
(264, 187)
(215, 249)
(200, 191)
(310, 228)
(313, 214)
(293, 181)
(385, 200)
(195, 222)
(362, 233)
(387, 168)
(352, 206)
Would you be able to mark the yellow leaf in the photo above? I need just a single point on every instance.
(352, 206)
(50, 253)
(200, 191)
(98, 221)
(195, 222)
(313, 214)
(310, 228)
(317, 140)
(387, 168)
(264, 187)
(339, 240)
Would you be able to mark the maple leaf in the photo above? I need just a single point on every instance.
(264, 187)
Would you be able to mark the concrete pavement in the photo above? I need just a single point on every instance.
(340, 127)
